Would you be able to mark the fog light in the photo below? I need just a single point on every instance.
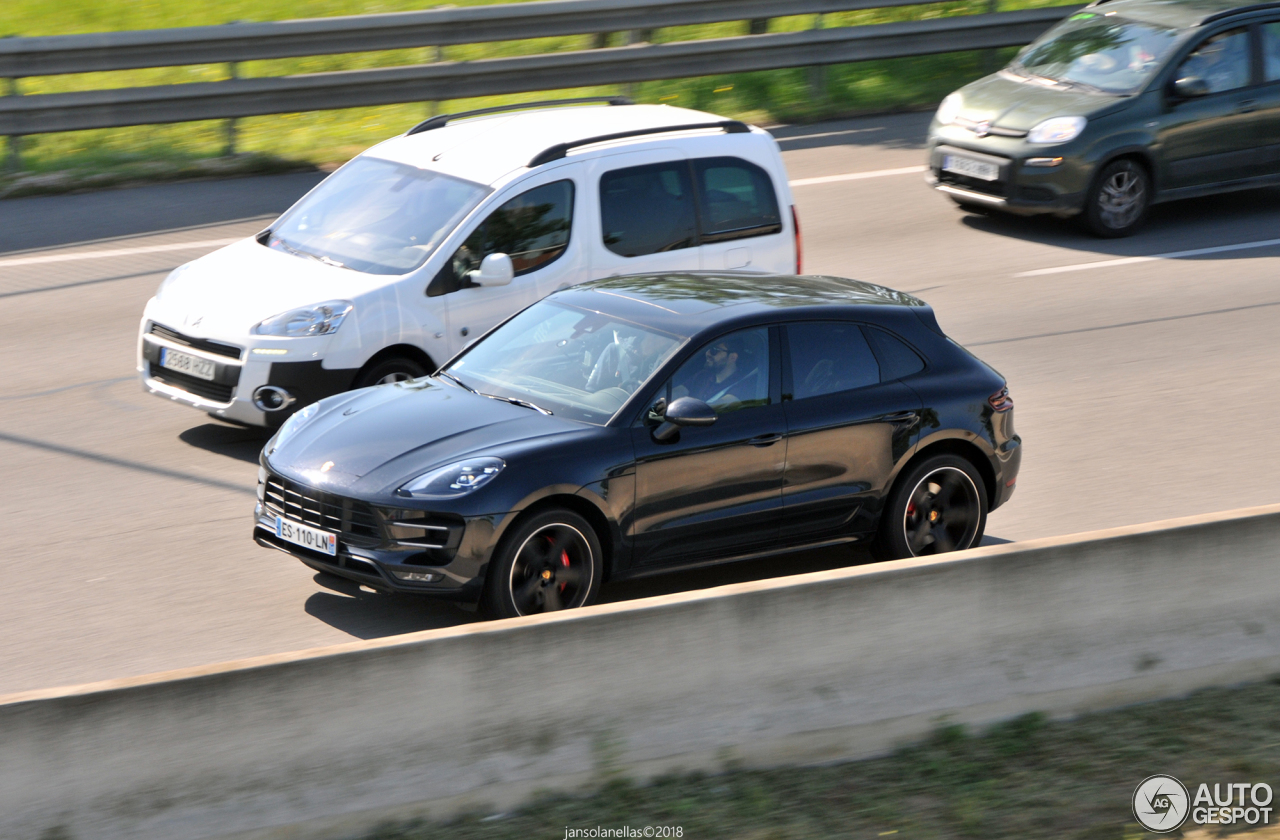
(417, 577)
(1055, 161)
(270, 351)
(272, 398)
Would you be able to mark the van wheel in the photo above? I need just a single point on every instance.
(549, 562)
(1119, 199)
(940, 505)
(394, 369)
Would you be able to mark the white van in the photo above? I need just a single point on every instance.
(424, 242)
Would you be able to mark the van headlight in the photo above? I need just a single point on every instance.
(949, 109)
(457, 479)
(318, 319)
(1057, 130)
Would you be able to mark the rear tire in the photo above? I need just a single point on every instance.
(551, 561)
(393, 369)
(937, 506)
(1119, 200)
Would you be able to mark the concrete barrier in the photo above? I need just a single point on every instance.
(825, 666)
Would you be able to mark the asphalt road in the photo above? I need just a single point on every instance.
(1142, 392)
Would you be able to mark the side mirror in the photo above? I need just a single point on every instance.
(1189, 87)
(495, 270)
(686, 411)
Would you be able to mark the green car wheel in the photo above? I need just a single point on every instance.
(1118, 200)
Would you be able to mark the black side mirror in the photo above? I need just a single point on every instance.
(1189, 87)
(686, 411)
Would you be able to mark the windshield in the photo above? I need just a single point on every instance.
(376, 217)
(1105, 52)
(572, 362)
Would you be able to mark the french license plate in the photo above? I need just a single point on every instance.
(973, 168)
(306, 536)
(186, 363)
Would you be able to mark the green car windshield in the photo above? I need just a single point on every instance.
(1106, 53)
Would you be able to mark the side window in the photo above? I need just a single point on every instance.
(648, 209)
(1271, 51)
(828, 357)
(532, 228)
(737, 199)
(729, 373)
(1222, 61)
(897, 360)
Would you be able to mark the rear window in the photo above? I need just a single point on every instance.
(648, 209)
(897, 360)
(737, 199)
(828, 357)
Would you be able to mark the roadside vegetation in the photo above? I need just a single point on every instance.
(1028, 778)
(274, 143)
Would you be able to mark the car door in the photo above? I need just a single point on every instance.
(537, 227)
(647, 217)
(1213, 138)
(714, 491)
(1268, 97)
(742, 225)
(849, 420)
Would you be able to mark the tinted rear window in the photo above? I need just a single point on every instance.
(828, 357)
(896, 358)
(737, 199)
(648, 209)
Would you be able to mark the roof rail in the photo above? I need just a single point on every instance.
(444, 119)
(559, 150)
(1257, 7)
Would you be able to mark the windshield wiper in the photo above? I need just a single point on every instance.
(519, 402)
(464, 386)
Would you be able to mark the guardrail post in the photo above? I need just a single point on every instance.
(989, 58)
(433, 107)
(600, 41)
(757, 26)
(818, 72)
(13, 143)
(229, 127)
(636, 36)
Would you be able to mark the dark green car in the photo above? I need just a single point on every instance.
(1121, 105)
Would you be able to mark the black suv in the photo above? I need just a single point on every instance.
(1121, 105)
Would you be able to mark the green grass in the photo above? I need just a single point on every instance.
(330, 137)
(1028, 778)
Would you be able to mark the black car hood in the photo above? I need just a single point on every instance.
(424, 423)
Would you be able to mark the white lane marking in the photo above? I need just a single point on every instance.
(118, 252)
(857, 176)
(1172, 255)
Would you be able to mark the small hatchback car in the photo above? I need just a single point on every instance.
(421, 244)
(639, 424)
(1123, 104)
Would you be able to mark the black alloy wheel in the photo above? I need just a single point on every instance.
(939, 505)
(1118, 202)
(550, 562)
(394, 369)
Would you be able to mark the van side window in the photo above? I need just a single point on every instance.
(737, 199)
(648, 209)
(532, 228)
(1271, 51)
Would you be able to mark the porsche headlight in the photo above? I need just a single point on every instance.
(319, 319)
(1057, 130)
(949, 109)
(290, 426)
(455, 480)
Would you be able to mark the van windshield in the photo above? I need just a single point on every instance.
(376, 217)
(1104, 52)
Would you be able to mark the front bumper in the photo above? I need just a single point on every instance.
(1018, 188)
(392, 550)
(238, 374)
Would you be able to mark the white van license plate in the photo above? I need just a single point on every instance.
(186, 363)
(306, 536)
(973, 168)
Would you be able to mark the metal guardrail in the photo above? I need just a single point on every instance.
(45, 113)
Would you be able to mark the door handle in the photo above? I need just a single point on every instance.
(1247, 107)
(900, 417)
(765, 440)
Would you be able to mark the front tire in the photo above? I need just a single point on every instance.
(551, 561)
(1119, 200)
(394, 369)
(937, 506)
